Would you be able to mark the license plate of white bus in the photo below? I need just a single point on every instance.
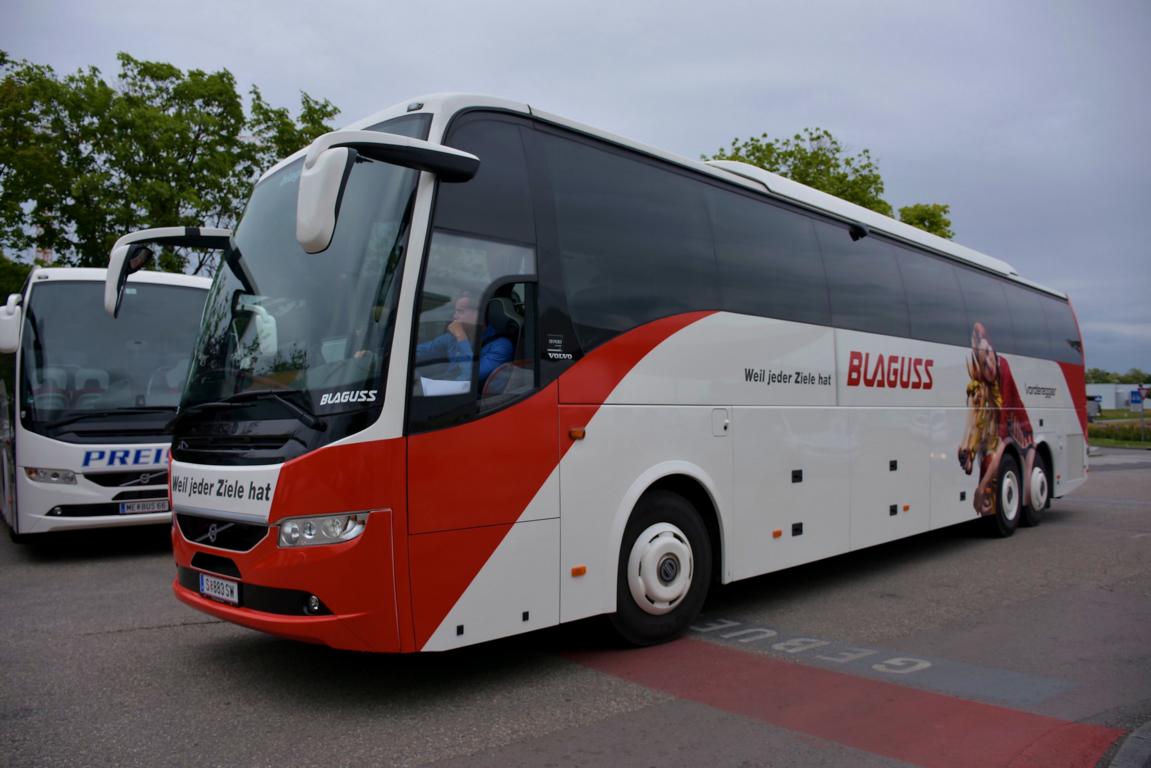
(141, 507)
(220, 589)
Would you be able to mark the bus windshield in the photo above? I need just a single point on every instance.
(80, 368)
(305, 334)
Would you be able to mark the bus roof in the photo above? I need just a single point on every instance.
(443, 106)
(75, 274)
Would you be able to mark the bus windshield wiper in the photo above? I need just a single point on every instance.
(299, 410)
(108, 412)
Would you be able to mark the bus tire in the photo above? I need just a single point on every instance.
(1008, 499)
(664, 570)
(1039, 493)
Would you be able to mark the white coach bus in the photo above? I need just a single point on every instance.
(472, 369)
(87, 446)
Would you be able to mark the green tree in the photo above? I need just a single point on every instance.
(816, 158)
(278, 135)
(930, 217)
(1100, 376)
(1134, 376)
(90, 161)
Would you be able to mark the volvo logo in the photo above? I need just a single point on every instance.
(214, 531)
(146, 478)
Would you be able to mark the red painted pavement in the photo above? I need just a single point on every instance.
(915, 726)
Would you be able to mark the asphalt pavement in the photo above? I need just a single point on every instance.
(948, 649)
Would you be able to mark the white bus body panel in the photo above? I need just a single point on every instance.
(515, 592)
(34, 500)
(878, 463)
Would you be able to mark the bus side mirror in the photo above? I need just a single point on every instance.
(125, 260)
(318, 203)
(10, 319)
(329, 161)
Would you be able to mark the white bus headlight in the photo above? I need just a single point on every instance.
(61, 476)
(329, 529)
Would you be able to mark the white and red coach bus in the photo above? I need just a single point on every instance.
(471, 369)
(87, 445)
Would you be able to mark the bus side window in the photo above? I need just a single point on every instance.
(475, 329)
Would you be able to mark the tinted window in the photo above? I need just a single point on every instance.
(866, 290)
(412, 126)
(769, 262)
(496, 202)
(933, 299)
(634, 238)
(1026, 307)
(987, 304)
(1064, 331)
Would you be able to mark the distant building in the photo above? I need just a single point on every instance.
(1113, 395)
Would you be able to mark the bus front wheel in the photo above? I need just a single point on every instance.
(664, 570)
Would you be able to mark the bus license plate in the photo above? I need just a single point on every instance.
(220, 589)
(140, 507)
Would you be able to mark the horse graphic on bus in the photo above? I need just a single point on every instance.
(996, 419)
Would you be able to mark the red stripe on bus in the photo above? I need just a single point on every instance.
(916, 726)
(474, 481)
(592, 379)
(1077, 386)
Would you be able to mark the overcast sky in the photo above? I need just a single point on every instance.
(1032, 120)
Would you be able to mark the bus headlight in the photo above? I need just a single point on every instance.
(329, 529)
(60, 476)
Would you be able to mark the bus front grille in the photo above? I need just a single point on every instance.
(222, 534)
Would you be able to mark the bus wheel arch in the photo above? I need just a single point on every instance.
(667, 560)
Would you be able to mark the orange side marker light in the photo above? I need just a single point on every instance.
(578, 570)
(776, 533)
(577, 433)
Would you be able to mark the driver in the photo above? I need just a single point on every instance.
(456, 344)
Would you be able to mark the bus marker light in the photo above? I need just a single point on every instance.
(777, 533)
(579, 570)
(906, 507)
(577, 433)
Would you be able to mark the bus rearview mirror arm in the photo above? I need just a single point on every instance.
(131, 254)
(329, 161)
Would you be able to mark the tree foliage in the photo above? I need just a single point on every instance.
(930, 217)
(87, 160)
(1132, 376)
(816, 158)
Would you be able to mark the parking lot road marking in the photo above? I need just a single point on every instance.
(909, 724)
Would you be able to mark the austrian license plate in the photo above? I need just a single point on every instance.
(220, 589)
(140, 507)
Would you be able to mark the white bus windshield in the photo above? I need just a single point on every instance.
(82, 372)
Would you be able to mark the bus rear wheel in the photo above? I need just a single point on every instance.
(664, 570)
(1008, 499)
(1039, 493)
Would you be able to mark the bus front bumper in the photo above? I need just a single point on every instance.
(340, 595)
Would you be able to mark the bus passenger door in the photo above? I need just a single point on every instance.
(483, 492)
